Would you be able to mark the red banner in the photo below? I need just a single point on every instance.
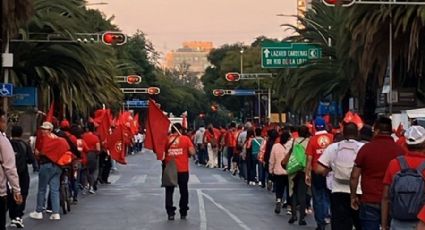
(157, 126)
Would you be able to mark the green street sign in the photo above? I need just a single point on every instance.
(287, 54)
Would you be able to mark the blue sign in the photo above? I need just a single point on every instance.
(6, 90)
(137, 104)
(243, 92)
(25, 96)
(331, 108)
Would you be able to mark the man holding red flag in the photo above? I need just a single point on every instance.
(180, 148)
(50, 150)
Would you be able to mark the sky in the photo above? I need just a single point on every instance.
(167, 23)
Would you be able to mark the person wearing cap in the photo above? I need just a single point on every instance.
(315, 147)
(415, 139)
(49, 175)
(8, 172)
(371, 163)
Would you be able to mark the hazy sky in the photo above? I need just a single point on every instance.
(168, 23)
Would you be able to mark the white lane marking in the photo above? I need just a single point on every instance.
(139, 179)
(235, 218)
(219, 178)
(193, 179)
(113, 178)
(202, 212)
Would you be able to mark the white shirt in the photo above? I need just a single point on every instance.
(199, 136)
(327, 158)
(138, 138)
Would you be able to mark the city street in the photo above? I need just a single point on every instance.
(135, 200)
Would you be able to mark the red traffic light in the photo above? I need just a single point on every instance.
(153, 90)
(134, 79)
(114, 38)
(218, 92)
(338, 2)
(233, 76)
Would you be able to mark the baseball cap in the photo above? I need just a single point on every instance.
(65, 124)
(47, 125)
(415, 135)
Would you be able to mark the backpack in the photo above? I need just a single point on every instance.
(21, 153)
(298, 159)
(407, 191)
(344, 161)
(256, 145)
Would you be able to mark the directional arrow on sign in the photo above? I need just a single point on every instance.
(267, 52)
(314, 53)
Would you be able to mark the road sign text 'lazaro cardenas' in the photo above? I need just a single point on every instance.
(288, 55)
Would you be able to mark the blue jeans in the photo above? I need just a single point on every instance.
(370, 216)
(261, 173)
(408, 225)
(321, 203)
(49, 175)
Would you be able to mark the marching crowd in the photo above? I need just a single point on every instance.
(59, 185)
(359, 176)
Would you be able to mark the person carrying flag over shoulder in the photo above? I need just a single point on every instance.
(180, 148)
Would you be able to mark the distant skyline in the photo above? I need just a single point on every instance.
(168, 23)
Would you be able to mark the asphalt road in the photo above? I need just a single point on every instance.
(135, 201)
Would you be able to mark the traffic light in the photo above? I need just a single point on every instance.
(233, 76)
(134, 79)
(114, 38)
(153, 90)
(218, 92)
(344, 3)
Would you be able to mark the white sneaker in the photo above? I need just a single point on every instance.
(17, 223)
(260, 184)
(91, 191)
(55, 216)
(36, 215)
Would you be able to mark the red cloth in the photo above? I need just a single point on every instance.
(399, 131)
(184, 121)
(317, 145)
(157, 126)
(180, 150)
(327, 118)
(413, 160)
(91, 140)
(355, 118)
(231, 138)
(135, 126)
(53, 147)
(103, 119)
(403, 143)
(373, 159)
(49, 116)
(115, 145)
(421, 215)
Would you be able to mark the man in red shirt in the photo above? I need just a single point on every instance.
(415, 139)
(231, 144)
(93, 145)
(371, 163)
(315, 148)
(181, 149)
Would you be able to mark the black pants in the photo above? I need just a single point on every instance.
(16, 210)
(229, 157)
(343, 216)
(299, 195)
(281, 182)
(183, 179)
(3, 210)
(105, 165)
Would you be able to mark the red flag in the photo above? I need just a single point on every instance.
(355, 118)
(399, 131)
(53, 147)
(157, 126)
(184, 122)
(327, 118)
(135, 126)
(49, 116)
(348, 117)
(103, 118)
(116, 146)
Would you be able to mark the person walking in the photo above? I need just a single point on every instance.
(8, 172)
(93, 146)
(370, 164)
(315, 148)
(23, 157)
(339, 158)
(279, 156)
(211, 139)
(249, 158)
(49, 175)
(200, 147)
(299, 194)
(404, 198)
(180, 148)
